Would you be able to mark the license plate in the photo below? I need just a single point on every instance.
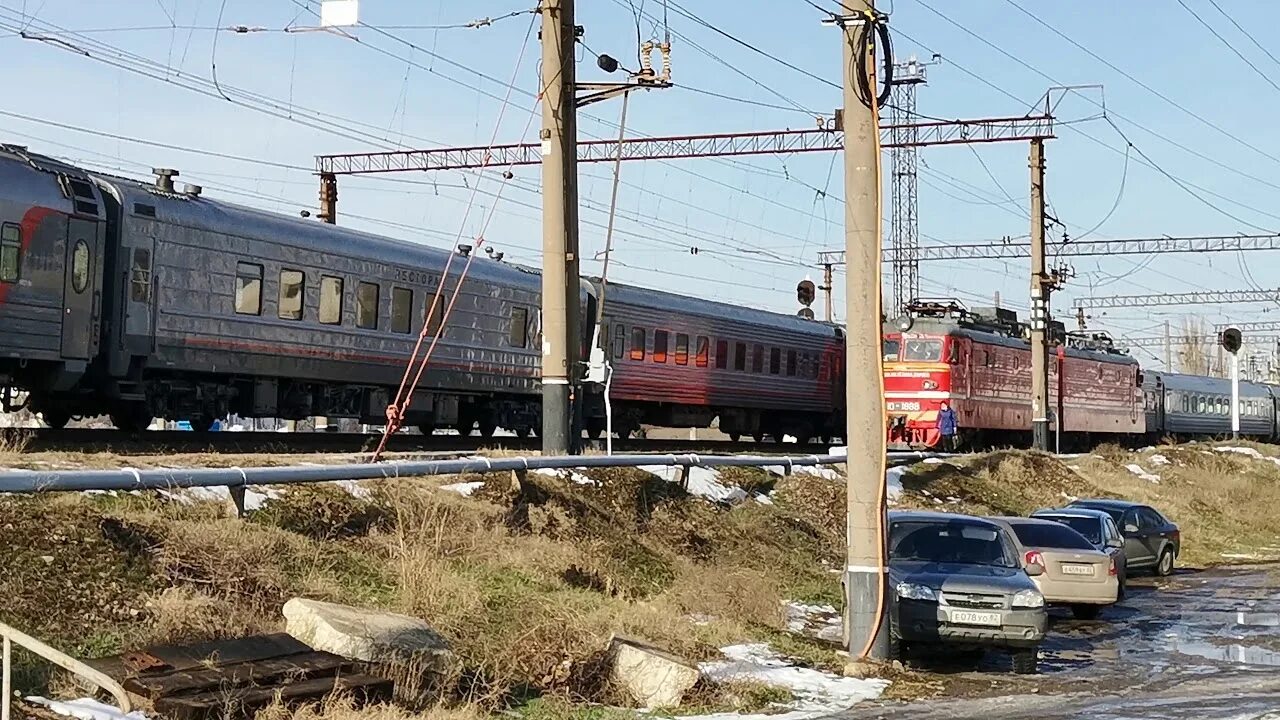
(961, 617)
(1068, 569)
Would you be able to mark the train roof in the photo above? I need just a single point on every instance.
(949, 326)
(663, 300)
(1202, 383)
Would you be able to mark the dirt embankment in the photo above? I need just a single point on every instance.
(529, 581)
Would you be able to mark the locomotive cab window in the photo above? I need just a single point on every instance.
(923, 350)
(248, 288)
(682, 349)
(703, 349)
(401, 310)
(519, 336)
(140, 277)
(637, 343)
(890, 350)
(10, 252)
(367, 306)
(330, 300)
(660, 346)
(619, 341)
(292, 288)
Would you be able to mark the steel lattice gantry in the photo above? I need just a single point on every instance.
(1084, 248)
(1223, 297)
(904, 158)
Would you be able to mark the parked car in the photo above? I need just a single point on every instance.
(1099, 529)
(1151, 541)
(958, 583)
(1071, 571)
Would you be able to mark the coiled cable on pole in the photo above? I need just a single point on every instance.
(873, 36)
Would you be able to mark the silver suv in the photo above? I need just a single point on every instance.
(957, 582)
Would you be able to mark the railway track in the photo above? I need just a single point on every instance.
(164, 441)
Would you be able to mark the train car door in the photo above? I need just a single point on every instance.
(80, 290)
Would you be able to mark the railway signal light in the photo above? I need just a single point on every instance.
(1231, 340)
(805, 292)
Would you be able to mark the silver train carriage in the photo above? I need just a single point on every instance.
(1192, 406)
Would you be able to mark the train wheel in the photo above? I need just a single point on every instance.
(202, 423)
(55, 419)
(427, 428)
(464, 428)
(595, 429)
(133, 418)
(758, 437)
(487, 429)
(523, 432)
(734, 437)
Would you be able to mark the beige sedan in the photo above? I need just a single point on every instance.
(1070, 570)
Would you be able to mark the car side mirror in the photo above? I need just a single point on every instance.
(1130, 529)
(1115, 543)
(1034, 569)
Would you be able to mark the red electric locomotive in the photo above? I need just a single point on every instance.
(980, 362)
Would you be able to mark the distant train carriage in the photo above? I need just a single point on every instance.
(980, 362)
(1187, 407)
(52, 231)
(683, 362)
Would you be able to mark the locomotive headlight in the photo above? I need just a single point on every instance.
(930, 385)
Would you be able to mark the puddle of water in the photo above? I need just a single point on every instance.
(1234, 653)
(1258, 619)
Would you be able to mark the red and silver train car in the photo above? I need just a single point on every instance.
(980, 362)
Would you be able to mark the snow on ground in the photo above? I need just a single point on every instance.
(818, 621)
(703, 482)
(1248, 452)
(574, 476)
(934, 461)
(86, 709)
(816, 693)
(1137, 470)
(893, 482)
(465, 489)
(1159, 459)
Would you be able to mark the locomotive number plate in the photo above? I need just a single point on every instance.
(903, 406)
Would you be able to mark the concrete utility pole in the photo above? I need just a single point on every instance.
(827, 287)
(1041, 287)
(866, 622)
(1168, 348)
(560, 337)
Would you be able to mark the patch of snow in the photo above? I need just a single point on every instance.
(1068, 498)
(763, 499)
(934, 461)
(703, 482)
(893, 482)
(820, 621)
(1137, 470)
(86, 709)
(1248, 452)
(464, 489)
(816, 693)
(574, 476)
(1159, 459)
(826, 473)
(840, 450)
(1242, 556)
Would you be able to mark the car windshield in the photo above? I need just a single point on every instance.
(1050, 535)
(923, 350)
(1090, 528)
(942, 541)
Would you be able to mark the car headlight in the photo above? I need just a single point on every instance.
(911, 591)
(1028, 599)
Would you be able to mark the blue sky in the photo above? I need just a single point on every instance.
(757, 223)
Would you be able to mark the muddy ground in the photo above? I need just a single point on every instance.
(1200, 644)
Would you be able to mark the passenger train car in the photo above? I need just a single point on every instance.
(683, 362)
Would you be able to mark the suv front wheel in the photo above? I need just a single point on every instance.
(1025, 662)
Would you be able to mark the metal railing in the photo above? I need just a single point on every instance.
(10, 636)
(39, 481)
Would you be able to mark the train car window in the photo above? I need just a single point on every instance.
(367, 306)
(140, 277)
(619, 341)
(637, 343)
(791, 363)
(519, 335)
(757, 358)
(401, 310)
(293, 285)
(80, 266)
(740, 357)
(330, 300)
(433, 313)
(923, 350)
(722, 354)
(890, 350)
(248, 288)
(703, 350)
(10, 252)
(682, 349)
(659, 346)
(775, 361)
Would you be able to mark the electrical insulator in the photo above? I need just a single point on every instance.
(646, 59)
(665, 49)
